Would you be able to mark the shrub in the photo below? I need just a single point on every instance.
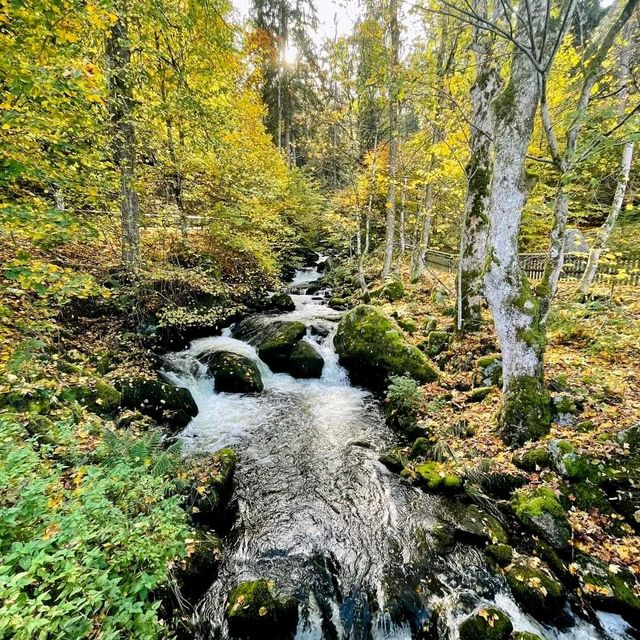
(403, 401)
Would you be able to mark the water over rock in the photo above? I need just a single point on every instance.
(305, 361)
(233, 372)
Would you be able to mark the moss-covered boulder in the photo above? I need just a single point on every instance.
(208, 483)
(276, 348)
(99, 397)
(338, 303)
(391, 289)
(609, 588)
(255, 611)
(408, 324)
(234, 373)
(198, 570)
(171, 406)
(569, 463)
(486, 624)
(305, 361)
(524, 635)
(539, 510)
(435, 477)
(421, 448)
(393, 461)
(473, 525)
(435, 343)
(372, 348)
(282, 302)
(535, 588)
(479, 394)
(533, 459)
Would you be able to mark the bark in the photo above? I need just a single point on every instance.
(475, 220)
(372, 189)
(393, 137)
(604, 233)
(526, 409)
(420, 254)
(123, 138)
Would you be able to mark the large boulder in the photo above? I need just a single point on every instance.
(539, 510)
(486, 624)
(282, 302)
(277, 347)
(305, 361)
(372, 348)
(254, 610)
(170, 405)
(391, 289)
(234, 373)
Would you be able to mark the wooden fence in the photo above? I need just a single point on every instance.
(624, 270)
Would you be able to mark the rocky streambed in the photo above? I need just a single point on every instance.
(327, 541)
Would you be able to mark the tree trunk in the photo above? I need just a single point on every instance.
(393, 137)
(526, 411)
(123, 138)
(420, 253)
(372, 188)
(475, 220)
(602, 238)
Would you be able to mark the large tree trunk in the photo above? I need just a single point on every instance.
(123, 138)
(393, 137)
(526, 409)
(475, 220)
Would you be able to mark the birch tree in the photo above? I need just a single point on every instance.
(475, 220)
(123, 141)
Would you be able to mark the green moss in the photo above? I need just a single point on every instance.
(337, 303)
(408, 324)
(436, 342)
(540, 510)
(435, 478)
(501, 553)
(305, 361)
(524, 635)
(282, 302)
(393, 461)
(473, 525)
(563, 404)
(429, 324)
(392, 290)
(421, 448)
(534, 587)
(373, 348)
(234, 373)
(526, 411)
(486, 624)
(486, 361)
(533, 460)
(479, 394)
(276, 348)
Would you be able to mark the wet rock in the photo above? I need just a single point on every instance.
(315, 287)
(282, 302)
(276, 348)
(539, 510)
(607, 589)
(434, 477)
(255, 611)
(337, 303)
(171, 406)
(486, 624)
(373, 348)
(535, 588)
(305, 361)
(208, 482)
(319, 330)
(393, 461)
(524, 635)
(234, 373)
(501, 553)
(474, 525)
(197, 572)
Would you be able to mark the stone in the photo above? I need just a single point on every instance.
(434, 477)
(490, 367)
(392, 290)
(337, 303)
(255, 611)
(276, 348)
(533, 459)
(305, 361)
(539, 510)
(479, 394)
(171, 406)
(535, 588)
(408, 324)
(429, 324)
(282, 302)
(435, 343)
(372, 348)
(234, 373)
(198, 571)
(501, 553)
(487, 624)
(473, 525)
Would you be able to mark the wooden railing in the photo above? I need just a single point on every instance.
(625, 271)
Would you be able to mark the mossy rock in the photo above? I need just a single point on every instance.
(501, 484)
(337, 303)
(276, 348)
(569, 463)
(421, 448)
(305, 361)
(372, 348)
(434, 477)
(630, 438)
(393, 461)
(533, 459)
(473, 525)
(234, 373)
(199, 569)
(535, 588)
(171, 406)
(429, 324)
(486, 624)
(501, 553)
(255, 611)
(564, 404)
(391, 290)
(100, 398)
(408, 324)
(607, 590)
(524, 635)
(43, 428)
(539, 510)
(208, 482)
(282, 302)
(435, 343)
(490, 369)
(479, 394)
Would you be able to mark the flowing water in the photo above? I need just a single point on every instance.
(322, 517)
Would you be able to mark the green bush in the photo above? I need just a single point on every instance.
(403, 401)
(83, 549)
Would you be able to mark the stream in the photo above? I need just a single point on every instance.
(322, 517)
